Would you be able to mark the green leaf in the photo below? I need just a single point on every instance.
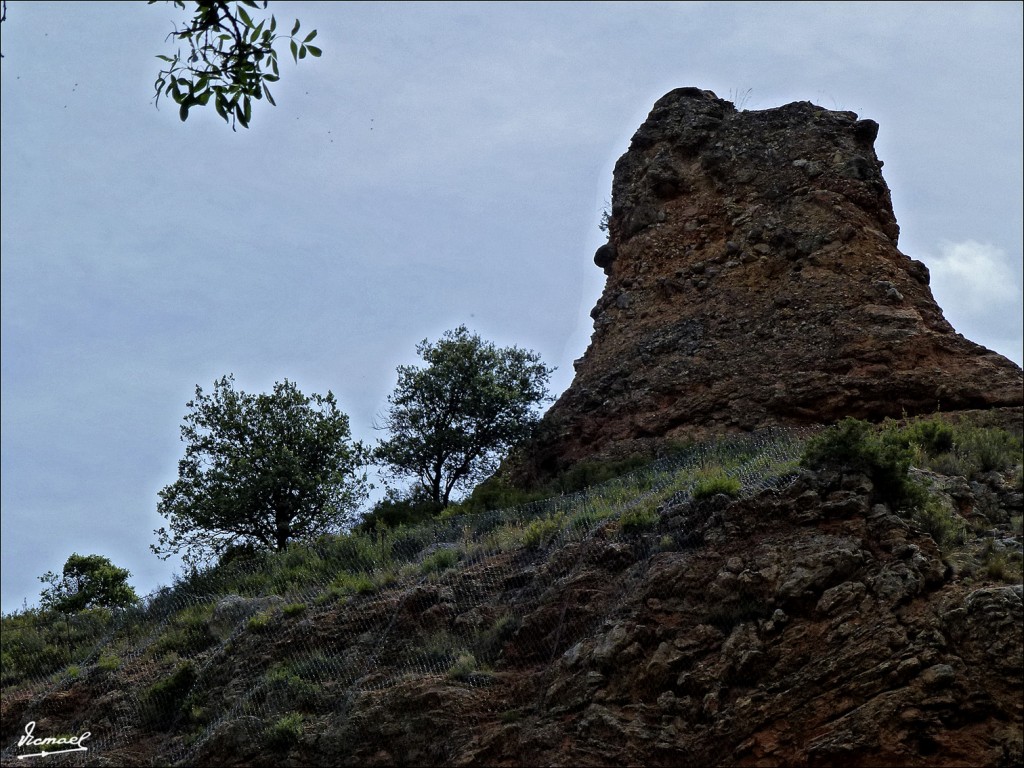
(313, 50)
(218, 104)
(166, 58)
(310, 36)
(295, 29)
(269, 97)
(295, 50)
(273, 23)
(183, 112)
(302, 52)
(245, 17)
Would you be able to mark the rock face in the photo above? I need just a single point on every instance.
(754, 280)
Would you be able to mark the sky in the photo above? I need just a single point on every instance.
(440, 164)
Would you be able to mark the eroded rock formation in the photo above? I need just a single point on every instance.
(754, 280)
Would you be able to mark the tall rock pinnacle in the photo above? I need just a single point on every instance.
(754, 280)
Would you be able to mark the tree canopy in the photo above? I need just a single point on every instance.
(231, 59)
(260, 470)
(87, 581)
(451, 420)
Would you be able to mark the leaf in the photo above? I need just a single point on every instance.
(273, 23)
(310, 36)
(166, 58)
(183, 112)
(302, 52)
(313, 50)
(295, 50)
(295, 29)
(245, 17)
(269, 97)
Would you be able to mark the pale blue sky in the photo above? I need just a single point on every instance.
(442, 163)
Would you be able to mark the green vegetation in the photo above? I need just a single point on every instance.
(259, 472)
(713, 482)
(440, 560)
(638, 519)
(87, 581)
(187, 632)
(886, 453)
(231, 59)
(285, 733)
(165, 699)
(451, 421)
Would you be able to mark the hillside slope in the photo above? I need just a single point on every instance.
(798, 619)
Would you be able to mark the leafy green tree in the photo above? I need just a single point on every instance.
(231, 59)
(87, 581)
(451, 420)
(259, 470)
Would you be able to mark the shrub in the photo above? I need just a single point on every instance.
(940, 522)
(439, 560)
(162, 702)
(464, 667)
(285, 733)
(713, 482)
(638, 519)
(293, 609)
(260, 622)
(853, 445)
(542, 531)
(188, 631)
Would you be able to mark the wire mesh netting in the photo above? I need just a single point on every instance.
(348, 615)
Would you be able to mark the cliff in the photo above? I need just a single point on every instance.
(753, 279)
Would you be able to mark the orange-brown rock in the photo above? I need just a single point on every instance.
(754, 280)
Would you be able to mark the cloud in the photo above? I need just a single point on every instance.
(979, 290)
(978, 275)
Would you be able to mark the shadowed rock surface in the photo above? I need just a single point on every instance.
(754, 280)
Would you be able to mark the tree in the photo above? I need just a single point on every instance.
(259, 470)
(450, 421)
(87, 581)
(231, 59)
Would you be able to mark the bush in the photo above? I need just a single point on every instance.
(638, 519)
(542, 531)
(188, 631)
(439, 560)
(713, 482)
(395, 510)
(854, 446)
(162, 702)
(285, 733)
(940, 522)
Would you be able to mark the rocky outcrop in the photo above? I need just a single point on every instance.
(754, 280)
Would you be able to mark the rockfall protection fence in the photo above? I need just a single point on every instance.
(445, 573)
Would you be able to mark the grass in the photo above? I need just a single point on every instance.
(713, 482)
(284, 733)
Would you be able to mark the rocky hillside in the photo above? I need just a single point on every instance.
(723, 607)
(754, 279)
